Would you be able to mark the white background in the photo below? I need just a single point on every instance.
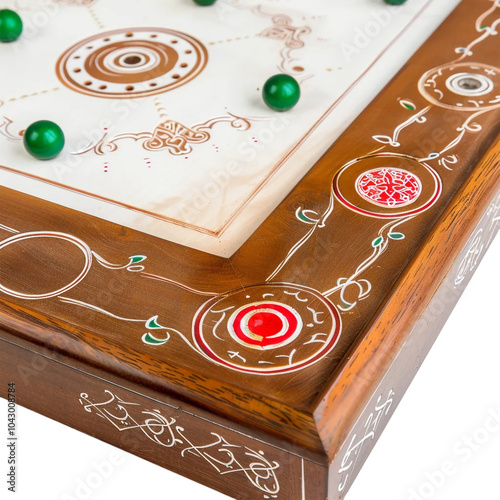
(451, 398)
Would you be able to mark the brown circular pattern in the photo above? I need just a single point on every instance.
(132, 62)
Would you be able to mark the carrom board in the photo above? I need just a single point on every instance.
(239, 295)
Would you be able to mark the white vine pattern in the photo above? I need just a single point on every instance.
(224, 457)
(380, 245)
(445, 157)
(393, 141)
(479, 241)
(356, 444)
(486, 31)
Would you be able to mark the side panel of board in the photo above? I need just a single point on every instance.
(385, 399)
(211, 454)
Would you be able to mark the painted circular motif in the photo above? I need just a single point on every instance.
(134, 62)
(462, 86)
(267, 329)
(72, 282)
(265, 325)
(387, 185)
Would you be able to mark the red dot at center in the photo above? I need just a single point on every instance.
(265, 324)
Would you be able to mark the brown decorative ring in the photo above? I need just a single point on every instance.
(160, 60)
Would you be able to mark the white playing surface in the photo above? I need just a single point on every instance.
(217, 192)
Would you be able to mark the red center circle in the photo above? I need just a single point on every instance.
(265, 324)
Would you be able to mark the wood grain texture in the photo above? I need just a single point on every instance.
(194, 447)
(372, 355)
(410, 355)
(138, 309)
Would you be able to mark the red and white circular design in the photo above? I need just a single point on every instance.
(389, 187)
(267, 329)
(265, 325)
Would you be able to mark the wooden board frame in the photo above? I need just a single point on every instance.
(131, 323)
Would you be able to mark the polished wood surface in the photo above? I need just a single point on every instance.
(311, 246)
(171, 437)
(406, 354)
